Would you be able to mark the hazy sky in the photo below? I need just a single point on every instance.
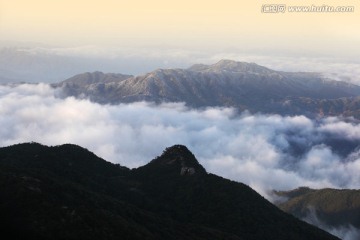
(184, 24)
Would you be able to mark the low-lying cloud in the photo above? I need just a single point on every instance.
(263, 151)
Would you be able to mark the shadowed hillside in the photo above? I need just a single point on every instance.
(66, 192)
(334, 207)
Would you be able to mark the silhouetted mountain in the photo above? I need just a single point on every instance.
(332, 207)
(227, 83)
(66, 192)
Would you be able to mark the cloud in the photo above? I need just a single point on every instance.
(254, 149)
(88, 51)
(263, 151)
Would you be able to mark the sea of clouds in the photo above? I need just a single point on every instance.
(264, 151)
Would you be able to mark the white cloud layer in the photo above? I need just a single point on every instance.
(263, 151)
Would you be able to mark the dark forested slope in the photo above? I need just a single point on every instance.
(66, 192)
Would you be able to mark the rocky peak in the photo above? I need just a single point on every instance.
(180, 159)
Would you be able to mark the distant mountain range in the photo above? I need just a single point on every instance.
(66, 192)
(326, 208)
(244, 86)
(34, 62)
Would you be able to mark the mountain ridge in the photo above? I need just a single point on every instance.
(333, 207)
(68, 192)
(227, 83)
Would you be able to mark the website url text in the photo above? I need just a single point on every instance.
(282, 8)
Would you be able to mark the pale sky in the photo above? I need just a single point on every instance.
(183, 23)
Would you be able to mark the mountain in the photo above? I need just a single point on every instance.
(96, 85)
(67, 192)
(88, 79)
(345, 106)
(244, 86)
(334, 208)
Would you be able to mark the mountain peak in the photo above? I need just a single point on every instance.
(88, 78)
(226, 65)
(179, 159)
